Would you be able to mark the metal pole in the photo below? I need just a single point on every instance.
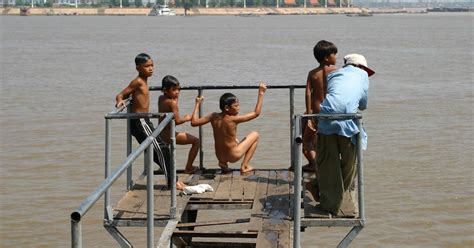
(173, 171)
(245, 3)
(292, 130)
(76, 4)
(297, 183)
(129, 151)
(201, 153)
(360, 171)
(107, 164)
(207, 4)
(76, 234)
(149, 196)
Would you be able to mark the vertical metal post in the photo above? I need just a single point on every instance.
(201, 153)
(292, 130)
(173, 170)
(149, 196)
(245, 3)
(297, 183)
(107, 164)
(360, 172)
(129, 150)
(76, 234)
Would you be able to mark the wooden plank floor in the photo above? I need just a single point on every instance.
(265, 196)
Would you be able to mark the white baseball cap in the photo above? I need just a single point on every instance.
(358, 60)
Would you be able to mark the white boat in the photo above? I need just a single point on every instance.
(161, 10)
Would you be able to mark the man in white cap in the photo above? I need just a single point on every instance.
(347, 92)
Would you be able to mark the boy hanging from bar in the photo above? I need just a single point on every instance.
(224, 126)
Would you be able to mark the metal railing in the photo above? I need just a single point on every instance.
(200, 90)
(111, 177)
(298, 176)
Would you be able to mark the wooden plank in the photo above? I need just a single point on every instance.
(237, 188)
(250, 186)
(208, 195)
(129, 204)
(223, 191)
(267, 239)
(259, 201)
(165, 237)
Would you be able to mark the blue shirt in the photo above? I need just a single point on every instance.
(347, 91)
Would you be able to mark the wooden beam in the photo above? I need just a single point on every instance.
(204, 234)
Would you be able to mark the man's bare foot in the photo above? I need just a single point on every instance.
(191, 170)
(180, 185)
(246, 169)
(225, 168)
(313, 189)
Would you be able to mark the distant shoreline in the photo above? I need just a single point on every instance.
(210, 11)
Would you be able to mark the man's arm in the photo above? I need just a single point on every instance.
(125, 93)
(258, 107)
(195, 120)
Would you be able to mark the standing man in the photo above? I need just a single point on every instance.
(347, 92)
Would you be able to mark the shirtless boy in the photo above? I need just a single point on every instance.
(138, 89)
(224, 125)
(168, 102)
(316, 87)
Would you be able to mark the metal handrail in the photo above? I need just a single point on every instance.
(298, 174)
(201, 88)
(103, 188)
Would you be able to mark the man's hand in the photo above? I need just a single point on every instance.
(187, 117)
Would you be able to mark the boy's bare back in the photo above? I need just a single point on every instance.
(317, 81)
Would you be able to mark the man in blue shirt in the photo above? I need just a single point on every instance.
(347, 91)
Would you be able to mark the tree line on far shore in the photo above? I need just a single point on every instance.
(176, 4)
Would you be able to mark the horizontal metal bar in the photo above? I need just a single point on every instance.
(333, 116)
(94, 196)
(133, 115)
(307, 222)
(225, 87)
(128, 101)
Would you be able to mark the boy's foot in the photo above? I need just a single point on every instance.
(180, 185)
(246, 169)
(191, 170)
(313, 189)
(225, 168)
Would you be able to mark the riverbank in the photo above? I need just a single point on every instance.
(201, 11)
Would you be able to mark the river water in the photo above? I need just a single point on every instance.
(60, 75)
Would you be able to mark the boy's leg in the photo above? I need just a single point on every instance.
(185, 139)
(309, 137)
(247, 147)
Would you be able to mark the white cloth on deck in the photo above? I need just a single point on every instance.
(197, 189)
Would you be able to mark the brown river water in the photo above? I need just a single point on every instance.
(60, 75)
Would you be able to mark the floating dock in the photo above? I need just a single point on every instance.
(263, 208)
